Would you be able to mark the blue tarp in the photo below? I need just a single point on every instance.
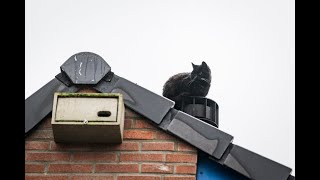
(210, 170)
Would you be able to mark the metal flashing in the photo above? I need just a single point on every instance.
(39, 104)
(139, 99)
(200, 134)
(255, 166)
(85, 68)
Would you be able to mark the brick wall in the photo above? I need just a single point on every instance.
(147, 153)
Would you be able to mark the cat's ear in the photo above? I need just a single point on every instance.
(194, 66)
(204, 63)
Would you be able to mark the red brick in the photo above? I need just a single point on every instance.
(95, 156)
(127, 157)
(92, 177)
(45, 124)
(41, 134)
(187, 158)
(144, 124)
(34, 168)
(185, 169)
(165, 136)
(127, 168)
(36, 145)
(47, 156)
(87, 90)
(76, 147)
(46, 177)
(179, 178)
(128, 123)
(137, 134)
(186, 147)
(71, 147)
(130, 113)
(156, 168)
(64, 168)
(124, 146)
(137, 177)
(158, 146)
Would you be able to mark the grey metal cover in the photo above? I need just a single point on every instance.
(139, 99)
(85, 68)
(255, 166)
(39, 104)
(200, 134)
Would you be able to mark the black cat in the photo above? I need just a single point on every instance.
(196, 83)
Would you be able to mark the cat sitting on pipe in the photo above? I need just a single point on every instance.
(194, 83)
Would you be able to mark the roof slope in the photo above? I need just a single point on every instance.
(159, 110)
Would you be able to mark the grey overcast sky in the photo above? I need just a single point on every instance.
(249, 46)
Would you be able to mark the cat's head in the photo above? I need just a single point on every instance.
(201, 73)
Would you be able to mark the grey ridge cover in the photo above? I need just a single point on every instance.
(255, 166)
(85, 68)
(39, 104)
(141, 100)
(200, 134)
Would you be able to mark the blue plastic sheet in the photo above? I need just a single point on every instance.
(210, 170)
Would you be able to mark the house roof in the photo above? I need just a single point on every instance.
(89, 69)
